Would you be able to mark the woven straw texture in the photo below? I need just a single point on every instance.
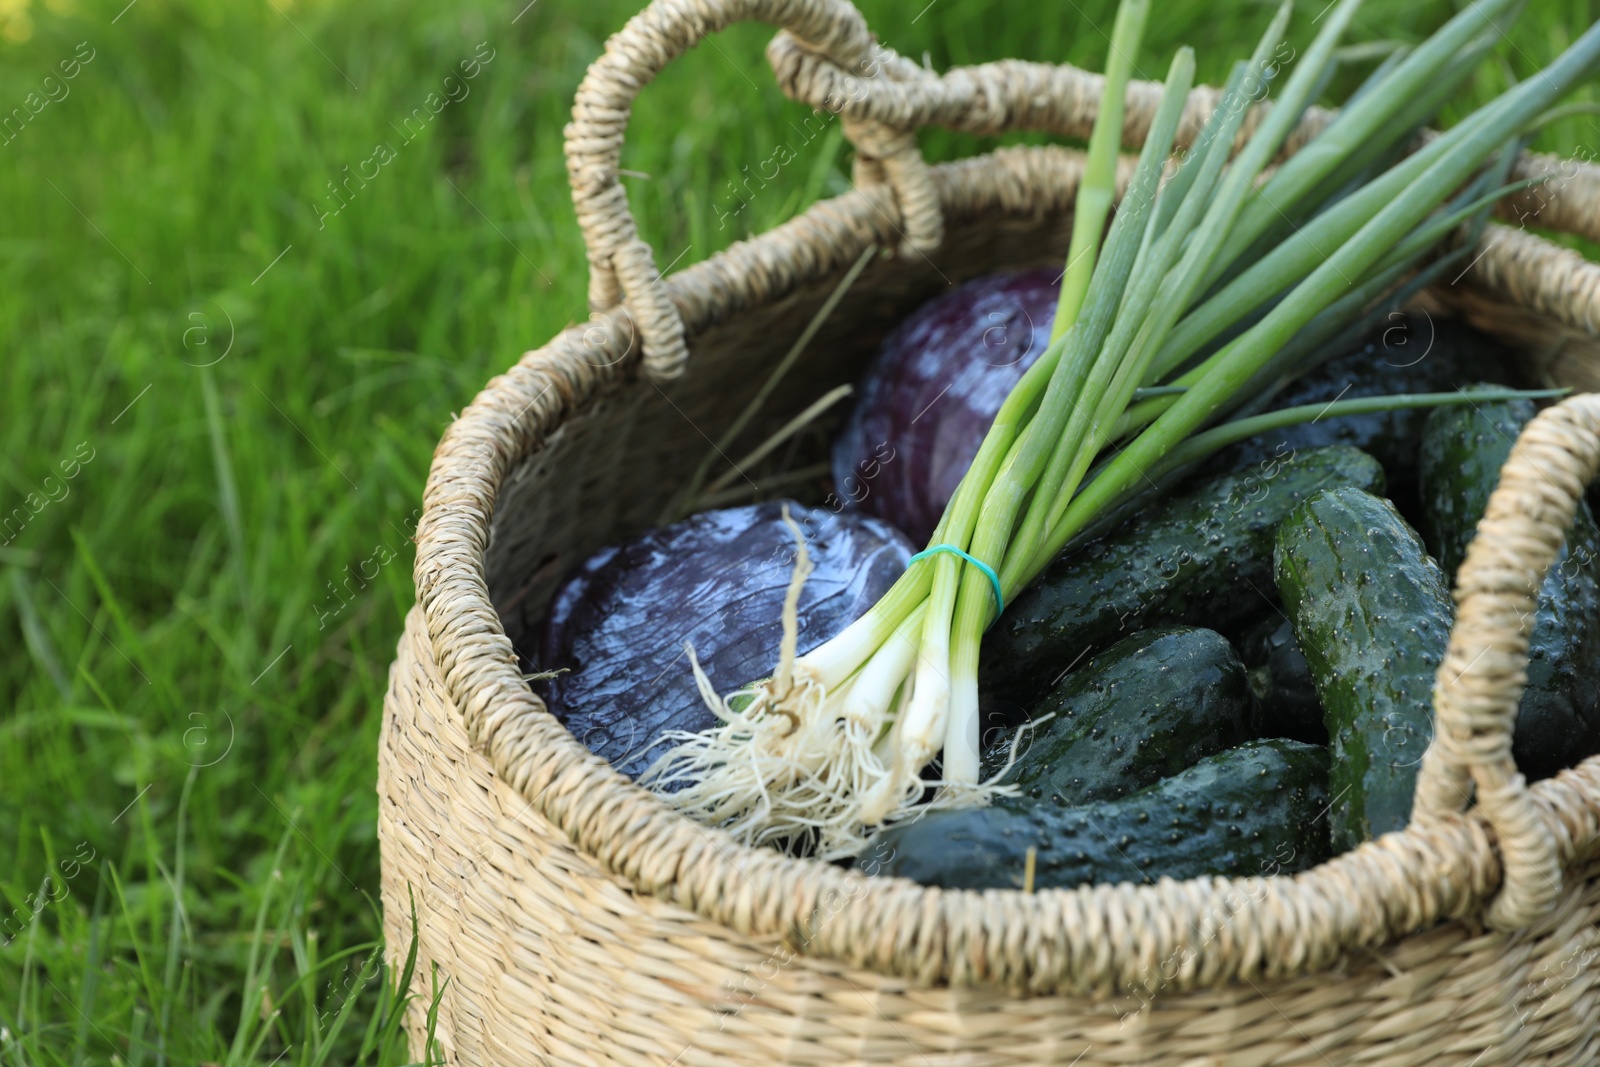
(578, 920)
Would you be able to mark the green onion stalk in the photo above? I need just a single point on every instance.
(1212, 285)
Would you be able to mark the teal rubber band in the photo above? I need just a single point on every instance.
(988, 571)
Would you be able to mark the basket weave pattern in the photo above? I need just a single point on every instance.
(579, 920)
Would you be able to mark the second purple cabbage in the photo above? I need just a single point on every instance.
(932, 390)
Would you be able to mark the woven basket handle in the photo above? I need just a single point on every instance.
(620, 264)
(826, 57)
(1483, 674)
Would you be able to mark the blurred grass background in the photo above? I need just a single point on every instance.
(220, 397)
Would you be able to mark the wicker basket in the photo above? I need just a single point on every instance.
(578, 920)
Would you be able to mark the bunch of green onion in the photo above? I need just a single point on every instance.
(1214, 286)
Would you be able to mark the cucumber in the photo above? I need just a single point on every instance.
(1253, 810)
(1149, 706)
(1280, 681)
(1372, 614)
(1201, 558)
(1558, 720)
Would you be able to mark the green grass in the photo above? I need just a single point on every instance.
(247, 404)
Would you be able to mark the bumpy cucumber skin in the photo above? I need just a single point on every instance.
(1458, 463)
(1372, 615)
(1201, 558)
(1558, 720)
(1253, 810)
(1281, 682)
(1150, 706)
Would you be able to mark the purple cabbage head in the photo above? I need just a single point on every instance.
(931, 392)
(716, 580)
